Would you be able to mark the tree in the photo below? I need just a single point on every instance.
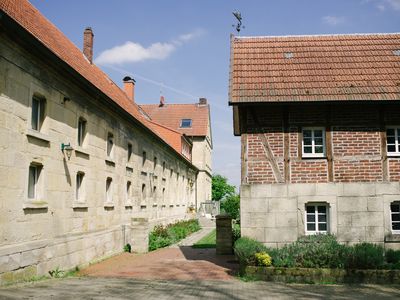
(220, 188)
(231, 206)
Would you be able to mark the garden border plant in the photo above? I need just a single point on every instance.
(318, 259)
(162, 236)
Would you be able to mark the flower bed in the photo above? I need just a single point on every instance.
(318, 258)
(163, 236)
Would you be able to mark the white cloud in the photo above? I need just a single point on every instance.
(395, 4)
(134, 52)
(382, 5)
(333, 20)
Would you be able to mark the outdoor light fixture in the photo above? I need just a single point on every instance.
(68, 149)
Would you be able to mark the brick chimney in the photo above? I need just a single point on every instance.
(162, 100)
(203, 101)
(129, 87)
(88, 43)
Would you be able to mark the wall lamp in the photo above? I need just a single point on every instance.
(68, 149)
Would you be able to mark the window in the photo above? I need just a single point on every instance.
(155, 192)
(81, 131)
(313, 142)
(393, 141)
(395, 216)
(128, 191)
(38, 107)
(144, 157)
(186, 123)
(163, 167)
(155, 163)
(110, 144)
(316, 218)
(34, 173)
(129, 152)
(109, 189)
(143, 191)
(79, 186)
(163, 195)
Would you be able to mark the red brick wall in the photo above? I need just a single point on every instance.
(355, 141)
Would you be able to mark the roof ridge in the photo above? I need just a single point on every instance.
(166, 127)
(167, 104)
(316, 35)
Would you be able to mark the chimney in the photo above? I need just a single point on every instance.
(203, 101)
(162, 100)
(88, 43)
(129, 87)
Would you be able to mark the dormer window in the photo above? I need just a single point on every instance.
(186, 123)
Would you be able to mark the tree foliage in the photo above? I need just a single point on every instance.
(231, 206)
(220, 188)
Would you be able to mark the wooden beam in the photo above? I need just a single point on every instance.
(328, 142)
(286, 144)
(382, 130)
(243, 158)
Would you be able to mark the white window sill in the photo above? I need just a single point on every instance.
(79, 204)
(35, 204)
(313, 156)
(316, 232)
(38, 135)
(393, 154)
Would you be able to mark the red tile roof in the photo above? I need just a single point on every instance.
(26, 15)
(170, 115)
(315, 68)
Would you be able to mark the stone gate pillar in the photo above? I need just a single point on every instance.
(224, 234)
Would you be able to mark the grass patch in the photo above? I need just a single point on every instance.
(209, 241)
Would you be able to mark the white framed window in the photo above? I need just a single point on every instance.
(81, 131)
(393, 140)
(38, 111)
(317, 218)
(79, 190)
(33, 181)
(186, 123)
(395, 217)
(109, 191)
(110, 144)
(313, 144)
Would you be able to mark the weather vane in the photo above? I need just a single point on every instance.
(238, 16)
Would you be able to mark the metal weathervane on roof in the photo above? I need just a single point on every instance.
(238, 17)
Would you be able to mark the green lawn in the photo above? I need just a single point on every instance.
(208, 241)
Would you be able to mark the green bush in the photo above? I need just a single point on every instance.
(231, 206)
(365, 256)
(245, 249)
(235, 232)
(392, 256)
(163, 236)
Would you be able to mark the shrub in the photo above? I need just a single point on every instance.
(263, 259)
(392, 256)
(235, 232)
(127, 248)
(245, 249)
(163, 236)
(365, 256)
(231, 206)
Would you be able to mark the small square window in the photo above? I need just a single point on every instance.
(38, 109)
(395, 217)
(393, 141)
(313, 144)
(81, 131)
(33, 181)
(317, 218)
(186, 123)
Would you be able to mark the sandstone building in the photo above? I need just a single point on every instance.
(83, 171)
(319, 120)
(193, 121)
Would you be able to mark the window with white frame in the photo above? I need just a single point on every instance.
(110, 144)
(317, 215)
(81, 131)
(33, 181)
(38, 109)
(393, 140)
(313, 144)
(395, 216)
(79, 192)
(109, 190)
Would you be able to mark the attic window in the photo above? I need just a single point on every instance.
(288, 55)
(186, 123)
(396, 52)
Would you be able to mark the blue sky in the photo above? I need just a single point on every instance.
(181, 47)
